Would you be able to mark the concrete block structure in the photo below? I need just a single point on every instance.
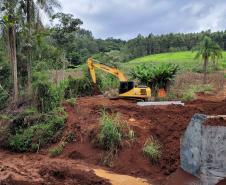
(203, 150)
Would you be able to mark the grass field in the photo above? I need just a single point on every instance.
(184, 59)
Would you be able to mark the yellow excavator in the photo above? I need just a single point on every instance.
(127, 89)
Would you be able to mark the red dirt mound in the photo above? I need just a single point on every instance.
(180, 177)
(37, 169)
(64, 175)
(166, 123)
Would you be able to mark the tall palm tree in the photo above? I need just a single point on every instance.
(31, 9)
(207, 49)
(8, 21)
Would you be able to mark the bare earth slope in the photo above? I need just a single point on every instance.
(79, 160)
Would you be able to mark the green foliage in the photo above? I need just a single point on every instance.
(111, 58)
(106, 82)
(4, 96)
(110, 136)
(152, 149)
(4, 117)
(38, 135)
(208, 48)
(4, 136)
(143, 73)
(190, 93)
(5, 81)
(185, 60)
(113, 131)
(46, 94)
(162, 75)
(155, 76)
(56, 151)
(78, 87)
(71, 101)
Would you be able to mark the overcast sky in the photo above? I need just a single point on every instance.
(125, 19)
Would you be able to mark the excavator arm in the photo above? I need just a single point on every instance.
(111, 70)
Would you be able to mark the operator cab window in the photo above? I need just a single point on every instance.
(125, 87)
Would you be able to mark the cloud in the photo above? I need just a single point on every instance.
(126, 18)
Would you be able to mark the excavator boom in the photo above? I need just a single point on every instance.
(111, 70)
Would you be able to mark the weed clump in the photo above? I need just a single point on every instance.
(190, 93)
(71, 101)
(152, 149)
(110, 136)
(113, 131)
(57, 150)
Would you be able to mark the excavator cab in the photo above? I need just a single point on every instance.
(126, 86)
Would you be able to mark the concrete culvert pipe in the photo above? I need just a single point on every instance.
(203, 148)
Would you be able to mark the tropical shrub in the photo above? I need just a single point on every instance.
(143, 73)
(155, 76)
(162, 75)
(33, 137)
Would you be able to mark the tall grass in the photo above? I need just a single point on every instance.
(110, 136)
(113, 131)
(152, 149)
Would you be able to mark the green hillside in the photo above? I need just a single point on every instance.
(184, 59)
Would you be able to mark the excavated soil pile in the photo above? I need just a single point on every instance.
(166, 123)
(37, 169)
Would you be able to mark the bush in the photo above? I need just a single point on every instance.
(188, 95)
(78, 87)
(143, 73)
(152, 149)
(36, 136)
(158, 76)
(49, 96)
(162, 75)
